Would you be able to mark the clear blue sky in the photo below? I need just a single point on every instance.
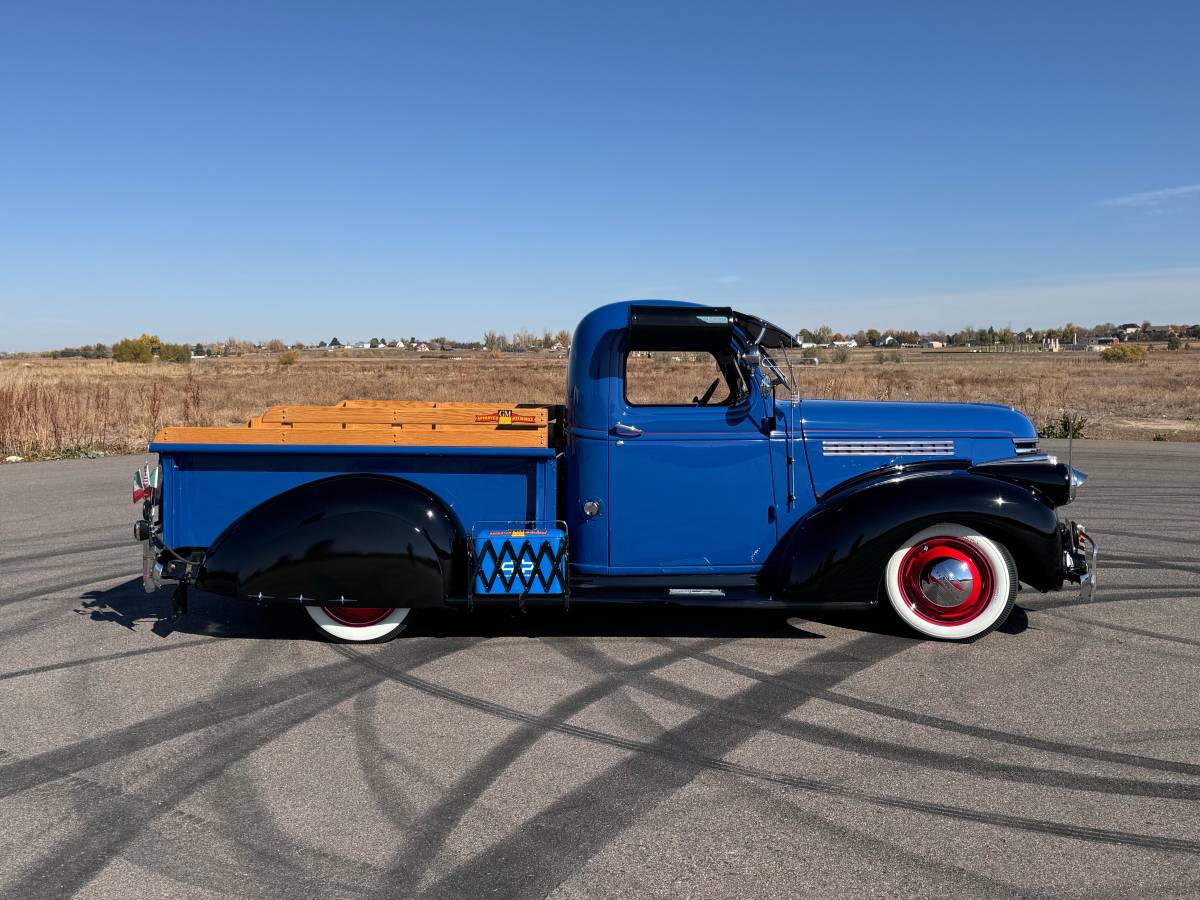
(308, 169)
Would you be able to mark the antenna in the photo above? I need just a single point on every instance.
(1071, 486)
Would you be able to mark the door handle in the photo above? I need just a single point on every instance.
(626, 430)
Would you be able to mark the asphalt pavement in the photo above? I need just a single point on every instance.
(602, 752)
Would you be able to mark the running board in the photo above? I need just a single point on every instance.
(713, 598)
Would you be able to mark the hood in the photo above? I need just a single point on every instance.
(845, 439)
(865, 418)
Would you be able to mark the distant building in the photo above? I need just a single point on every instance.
(850, 344)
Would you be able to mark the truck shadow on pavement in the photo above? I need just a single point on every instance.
(129, 606)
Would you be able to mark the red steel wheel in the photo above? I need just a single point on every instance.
(951, 582)
(358, 624)
(946, 580)
(357, 616)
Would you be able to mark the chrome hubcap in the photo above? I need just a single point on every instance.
(947, 582)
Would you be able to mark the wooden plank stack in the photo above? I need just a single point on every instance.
(381, 422)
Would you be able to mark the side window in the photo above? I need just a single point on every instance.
(681, 378)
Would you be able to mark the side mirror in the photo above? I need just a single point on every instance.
(752, 358)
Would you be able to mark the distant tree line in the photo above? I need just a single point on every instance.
(146, 347)
(970, 335)
(523, 341)
(87, 351)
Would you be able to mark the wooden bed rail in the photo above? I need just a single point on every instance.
(381, 422)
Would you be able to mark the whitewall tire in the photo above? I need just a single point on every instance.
(950, 582)
(358, 624)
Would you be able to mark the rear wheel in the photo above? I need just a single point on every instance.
(951, 582)
(358, 624)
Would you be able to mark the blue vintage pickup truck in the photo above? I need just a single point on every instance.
(735, 491)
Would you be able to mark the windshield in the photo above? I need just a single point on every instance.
(777, 368)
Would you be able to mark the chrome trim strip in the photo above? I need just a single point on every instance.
(1024, 460)
(887, 448)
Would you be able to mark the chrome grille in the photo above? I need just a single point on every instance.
(887, 448)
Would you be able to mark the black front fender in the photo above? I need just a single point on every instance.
(371, 539)
(840, 548)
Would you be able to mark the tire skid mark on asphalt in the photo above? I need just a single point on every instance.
(1139, 564)
(108, 657)
(907, 754)
(623, 705)
(839, 739)
(584, 821)
(18, 549)
(1125, 629)
(1158, 734)
(428, 836)
(555, 842)
(370, 748)
(1150, 538)
(953, 880)
(1104, 597)
(155, 857)
(45, 592)
(942, 724)
(1069, 625)
(33, 623)
(92, 844)
(215, 709)
(72, 550)
(265, 855)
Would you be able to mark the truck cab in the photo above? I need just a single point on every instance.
(684, 467)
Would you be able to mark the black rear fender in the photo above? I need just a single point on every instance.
(840, 548)
(372, 539)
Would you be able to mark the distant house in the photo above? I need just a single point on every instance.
(1129, 328)
(887, 341)
(932, 345)
(422, 347)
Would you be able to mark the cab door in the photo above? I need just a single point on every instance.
(690, 487)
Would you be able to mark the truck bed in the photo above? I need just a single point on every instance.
(483, 471)
(381, 422)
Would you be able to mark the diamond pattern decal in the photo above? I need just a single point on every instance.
(512, 565)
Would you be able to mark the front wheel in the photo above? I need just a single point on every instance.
(358, 624)
(951, 582)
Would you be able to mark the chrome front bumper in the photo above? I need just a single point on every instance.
(1080, 551)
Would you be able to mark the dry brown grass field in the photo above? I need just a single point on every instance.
(64, 407)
